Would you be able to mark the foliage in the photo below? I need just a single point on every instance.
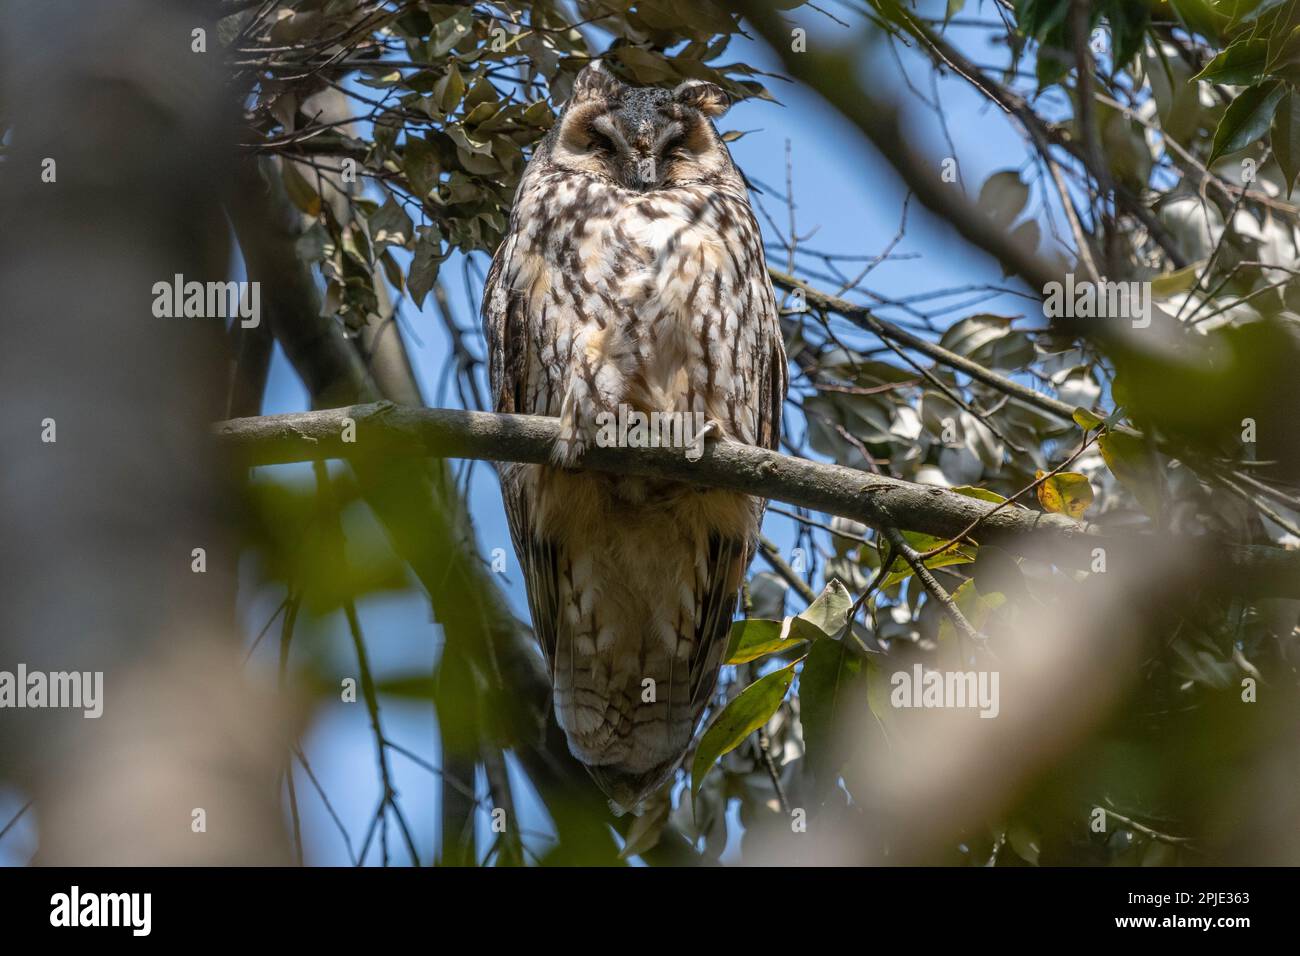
(447, 100)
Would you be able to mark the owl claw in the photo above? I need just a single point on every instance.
(569, 448)
(712, 429)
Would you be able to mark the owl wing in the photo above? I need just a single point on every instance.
(509, 341)
(763, 391)
(505, 328)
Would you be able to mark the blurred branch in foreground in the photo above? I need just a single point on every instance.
(111, 493)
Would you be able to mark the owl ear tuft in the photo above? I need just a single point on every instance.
(709, 98)
(595, 80)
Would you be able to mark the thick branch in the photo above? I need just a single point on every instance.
(385, 432)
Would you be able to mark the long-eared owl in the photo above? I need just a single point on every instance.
(632, 277)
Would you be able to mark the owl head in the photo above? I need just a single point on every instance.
(643, 138)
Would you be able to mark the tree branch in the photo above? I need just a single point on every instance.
(386, 432)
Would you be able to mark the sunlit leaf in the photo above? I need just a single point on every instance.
(751, 639)
(748, 711)
(826, 616)
(983, 494)
(1086, 419)
(960, 553)
(1065, 493)
(1180, 280)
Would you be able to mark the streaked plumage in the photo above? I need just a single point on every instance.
(633, 273)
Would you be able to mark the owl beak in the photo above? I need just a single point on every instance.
(644, 171)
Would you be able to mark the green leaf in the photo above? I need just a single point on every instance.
(1247, 118)
(1128, 25)
(1036, 17)
(482, 91)
(1241, 64)
(449, 89)
(428, 257)
(300, 192)
(539, 115)
(983, 494)
(753, 638)
(1259, 8)
(976, 606)
(962, 553)
(1284, 55)
(1172, 283)
(751, 709)
(1129, 461)
(390, 226)
(419, 162)
(826, 616)
(831, 685)
(1086, 419)
(646, 66)
(1286, 139)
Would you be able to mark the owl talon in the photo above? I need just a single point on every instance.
(712, 429)
(568, 450)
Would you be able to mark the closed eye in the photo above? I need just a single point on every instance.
(599, 142)
(676, 146)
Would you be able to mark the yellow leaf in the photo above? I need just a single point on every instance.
(1065, 493)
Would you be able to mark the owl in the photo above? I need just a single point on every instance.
(632, 280)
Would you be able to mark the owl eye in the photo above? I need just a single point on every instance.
(600, 143)
(676, 146)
